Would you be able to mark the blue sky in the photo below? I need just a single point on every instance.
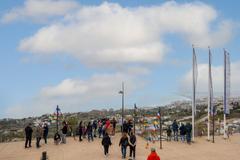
(77, 53)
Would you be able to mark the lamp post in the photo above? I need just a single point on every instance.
(134, 118)
(57, 110)
(122, 93)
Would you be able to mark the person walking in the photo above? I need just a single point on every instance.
(100, 126)
(106, 142)
(114, 122)
(89, 132)
(80, 128)
(132, 145)
(153, 155)
(124, 143)
(129, 127)
(38, 135)
(169, 134)
(182, 132)
(94, 125)
(64, 132)
(84, 129)
(28, 135)
(125, 127)
(188, 132)
(175, 130)
(45, 132)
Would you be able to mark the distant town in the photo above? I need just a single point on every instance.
(13, 129)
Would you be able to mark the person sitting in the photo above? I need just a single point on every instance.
(57, 138)
(153, 155)
(169, 134)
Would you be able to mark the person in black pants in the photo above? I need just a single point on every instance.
(45, 132)
(38, 135)
(80, 131)
(124, 143)
(28, 134)
(90, 132)
(106, 142)
(175, 130)
(132, 145)
(188, 132)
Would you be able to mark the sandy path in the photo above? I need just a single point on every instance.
(74, 150)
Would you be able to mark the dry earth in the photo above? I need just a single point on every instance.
(74, 150)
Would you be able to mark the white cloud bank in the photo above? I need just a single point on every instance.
(73, 95)
(39, 10)
(217, 78)
(111, 35)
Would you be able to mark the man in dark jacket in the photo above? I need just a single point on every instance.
(124, 143)
(90, 131)
(64, 132)
(175, 130)
(80, 128)
(28, 134)
(188, 132)
(132, 145)
(94, 125)
(125, 127)
(182, 132)
(106, 142)
(114, 122)
(45, 132)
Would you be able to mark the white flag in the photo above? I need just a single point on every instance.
(195, 75)
(227, 75)
(210, 86)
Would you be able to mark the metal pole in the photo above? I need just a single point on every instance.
(160, 127)
(44, 155)
(209, 94)
(213, 125)
(134, 119)
(122, 103)
(57, 117)
(193, 96)
(225, 95)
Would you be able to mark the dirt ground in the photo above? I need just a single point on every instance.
(75, 150)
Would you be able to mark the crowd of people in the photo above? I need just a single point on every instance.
(185, 132)
(41, 131)
(102, 128)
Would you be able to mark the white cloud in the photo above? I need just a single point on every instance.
(39, 10)
(110, 35)
(100, 90)
(217, 76)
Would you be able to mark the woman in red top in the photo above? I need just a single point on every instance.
(153, 155)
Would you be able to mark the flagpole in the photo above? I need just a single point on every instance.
(134, 119)
(122, 92)
(57, 117)
(194, 92)
(225, 96)
(213, 124)
(209, 94)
